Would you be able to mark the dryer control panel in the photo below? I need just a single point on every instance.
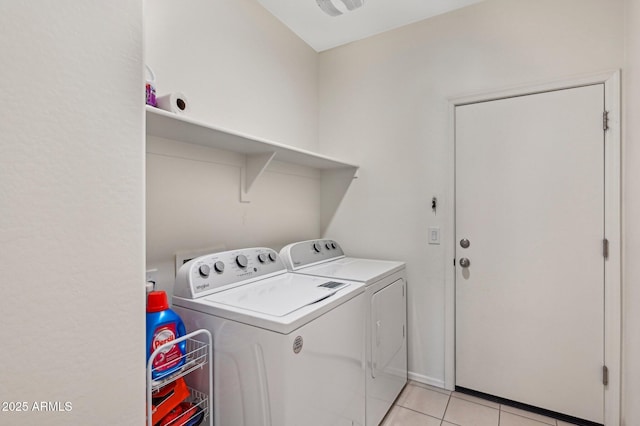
(306, 253)
(219, 271)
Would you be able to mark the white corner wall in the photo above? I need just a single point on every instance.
(242, 69)
(71, 213)
(384, 104)
(631, 213)
(239, 66)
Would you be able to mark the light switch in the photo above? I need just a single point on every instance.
(434, 235)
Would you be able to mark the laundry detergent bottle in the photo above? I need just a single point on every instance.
(163, 326)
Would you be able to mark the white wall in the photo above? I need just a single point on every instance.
(237, 64)
(245, 71)
(383, 103)
(193, 202)
(631, 213)
(71, 211)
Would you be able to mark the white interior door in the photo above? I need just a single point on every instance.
(530, 201)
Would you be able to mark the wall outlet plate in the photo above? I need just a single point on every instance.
(151, 278)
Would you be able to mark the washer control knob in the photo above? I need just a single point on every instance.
(328, 246)
(241, 260)
(219, 266)
(262, 257)
(204, 271)
(333, 245)
(317, 247)
(272, 256)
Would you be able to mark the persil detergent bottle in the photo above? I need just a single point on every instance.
(163, 326)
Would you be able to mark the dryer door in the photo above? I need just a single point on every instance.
(388, 343)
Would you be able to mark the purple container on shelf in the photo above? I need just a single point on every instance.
(151, 88)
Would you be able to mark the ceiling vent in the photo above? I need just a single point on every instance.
(332, 10)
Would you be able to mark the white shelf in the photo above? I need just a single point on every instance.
(336, 175)
(178, 127)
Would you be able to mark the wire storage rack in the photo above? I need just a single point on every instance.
(195, 395)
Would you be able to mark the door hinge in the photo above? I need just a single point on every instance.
(605, 248)
(605, 375)
(605, 120)
(403, 336)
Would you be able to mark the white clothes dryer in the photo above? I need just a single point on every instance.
(386, 314)
(288, 349)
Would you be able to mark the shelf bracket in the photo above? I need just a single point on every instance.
(333, 187)
(255, 165)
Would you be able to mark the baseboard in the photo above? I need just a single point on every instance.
(426, 380)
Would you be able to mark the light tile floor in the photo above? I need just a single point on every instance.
(423, 405)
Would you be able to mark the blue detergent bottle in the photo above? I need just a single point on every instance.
(163, 326)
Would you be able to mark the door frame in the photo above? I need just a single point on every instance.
(612, 206)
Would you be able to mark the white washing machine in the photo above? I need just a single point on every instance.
(288, 349)
(386, 314)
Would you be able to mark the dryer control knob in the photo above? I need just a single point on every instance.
(219, 266)
(272, 256)
(262, 257)
(333, 245)
(328, 246)
(241, 261)
(317, 247)
(204, 270)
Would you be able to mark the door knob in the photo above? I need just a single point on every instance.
(464, 243)
(464, 262)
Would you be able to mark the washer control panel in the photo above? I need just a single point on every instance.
(305, 253)
(218, 271)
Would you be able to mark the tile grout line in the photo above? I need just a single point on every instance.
(500, 409)
(445, 410)
(416, 411)
(478, 401)
(528, 418)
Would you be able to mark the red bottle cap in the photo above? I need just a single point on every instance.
(157, 301)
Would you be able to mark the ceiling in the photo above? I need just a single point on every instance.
(322, 32)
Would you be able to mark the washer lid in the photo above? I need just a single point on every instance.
(282, 303)
(279, 296)
(354, 269)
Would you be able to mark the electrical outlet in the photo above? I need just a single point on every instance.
(151, 279)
